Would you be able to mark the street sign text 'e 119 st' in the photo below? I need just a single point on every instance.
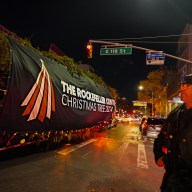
(116, 51)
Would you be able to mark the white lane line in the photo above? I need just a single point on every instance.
(85, 155)
(122, 149)
(73, 148)
(141, 157)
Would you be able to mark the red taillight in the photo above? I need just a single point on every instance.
(150, 125)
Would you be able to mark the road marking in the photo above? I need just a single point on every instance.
(73, 148)
(124, 146)
(85, 155)
(141, 158)
(122, 149)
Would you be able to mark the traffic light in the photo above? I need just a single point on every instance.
(89, 50)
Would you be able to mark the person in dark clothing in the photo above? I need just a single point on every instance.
(173, 147)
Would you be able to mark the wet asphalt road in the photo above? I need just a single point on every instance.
(117, 160)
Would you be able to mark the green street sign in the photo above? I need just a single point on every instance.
(116, 51)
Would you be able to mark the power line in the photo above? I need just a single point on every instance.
(161, 42)
(154, 37)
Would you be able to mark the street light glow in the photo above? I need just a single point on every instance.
(140, 87)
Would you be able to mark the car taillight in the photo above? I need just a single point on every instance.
(150, 125)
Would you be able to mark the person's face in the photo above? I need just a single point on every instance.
(186, 93)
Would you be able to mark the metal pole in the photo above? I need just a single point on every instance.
(166, 100)
(152, 104)
(140, 48)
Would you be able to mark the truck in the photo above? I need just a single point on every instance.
(47, 98)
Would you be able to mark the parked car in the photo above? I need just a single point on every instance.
(134, 118)
(113, 123)
(118, 118)
(152, 126)
(125, 119)
(130, 118)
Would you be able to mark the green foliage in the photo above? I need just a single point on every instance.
(4, 61)
(153, 88)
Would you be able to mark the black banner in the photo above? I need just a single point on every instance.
(42, 95)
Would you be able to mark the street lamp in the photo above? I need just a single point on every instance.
(152, 110)
(140, 87)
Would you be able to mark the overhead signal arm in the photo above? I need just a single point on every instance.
(139, 48)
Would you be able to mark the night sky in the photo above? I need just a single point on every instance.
(70, 24)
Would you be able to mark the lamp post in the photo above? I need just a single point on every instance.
(166, 107)
(152, 110)
(152, 103)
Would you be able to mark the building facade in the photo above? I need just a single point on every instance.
(184, 50)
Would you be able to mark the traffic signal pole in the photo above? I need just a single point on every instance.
(137, 47)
